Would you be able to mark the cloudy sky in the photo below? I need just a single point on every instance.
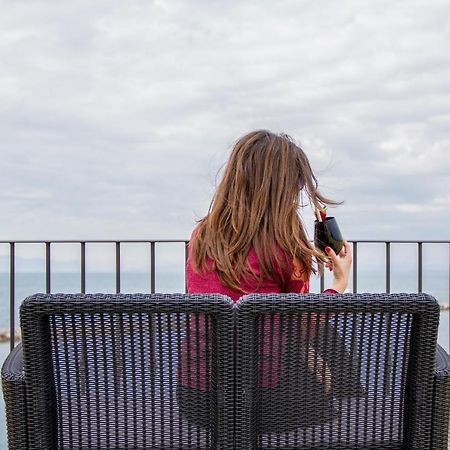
(116, 116)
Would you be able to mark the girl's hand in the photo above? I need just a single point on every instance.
(340, 265)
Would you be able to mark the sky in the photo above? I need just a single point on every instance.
(116, 117)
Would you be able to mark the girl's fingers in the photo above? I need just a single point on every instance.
(347, 248)
(330, 253)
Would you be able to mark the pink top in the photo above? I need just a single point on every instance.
(294, 280)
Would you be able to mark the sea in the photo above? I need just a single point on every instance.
(435, 282)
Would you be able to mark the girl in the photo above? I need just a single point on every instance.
(253, 241)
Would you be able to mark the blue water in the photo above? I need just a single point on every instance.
(27, 283)
(434, 282)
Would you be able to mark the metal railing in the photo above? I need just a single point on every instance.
(152, 252)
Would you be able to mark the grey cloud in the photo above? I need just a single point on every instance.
(114, 119)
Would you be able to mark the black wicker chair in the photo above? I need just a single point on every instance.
(107, 372)
(341, 372)
(169, 372)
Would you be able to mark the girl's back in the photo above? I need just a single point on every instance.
(253, 241)
(209, 282)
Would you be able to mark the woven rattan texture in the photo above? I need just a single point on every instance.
(441, 399)
(347, 371)
(13, 384)
(116, 371)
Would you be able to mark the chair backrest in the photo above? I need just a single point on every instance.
(129, 371)
(347, 371)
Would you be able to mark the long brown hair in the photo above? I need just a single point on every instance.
(256, 206)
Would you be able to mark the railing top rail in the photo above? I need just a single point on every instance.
(398, 241)
(143, 241)
(92, 241)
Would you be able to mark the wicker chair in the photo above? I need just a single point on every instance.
(102, 371)
(354, 371)
(170, 372)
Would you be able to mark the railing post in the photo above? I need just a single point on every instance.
(419, 268)
(355, 267)
(186, 254)
(12, 296)
(152, 267)
(83, 267)
(388, 267)
(48, 286)
(117, 267)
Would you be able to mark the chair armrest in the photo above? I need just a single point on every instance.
(13, 366)
(14, 394)
(442, 362)
(441, 400)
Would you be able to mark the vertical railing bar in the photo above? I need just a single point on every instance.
(12, 295)
(83, 267)
(186, 254)
(322, 279)
(419, 267)
(117, 267)
(355, 267)
(388, 267)
(48, 286)
(152, 267)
